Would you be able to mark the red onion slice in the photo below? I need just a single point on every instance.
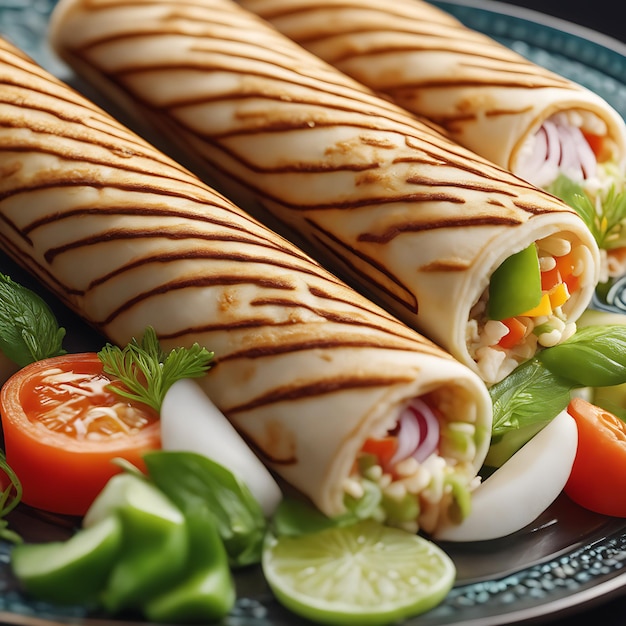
(429, 427)
(408, 434)
(418, 432)
(558, 147)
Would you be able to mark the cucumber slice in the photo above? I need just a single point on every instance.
(72, 571)
(155, 544)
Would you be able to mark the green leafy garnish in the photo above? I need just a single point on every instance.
(595, 356)
(29, 330)
(605, 217)
(147, 372)
(193, 480)
(517, 397)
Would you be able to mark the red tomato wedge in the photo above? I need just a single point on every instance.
(62, 428)
(598, 478)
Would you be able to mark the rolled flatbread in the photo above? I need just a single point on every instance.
(305, 368)
(406, 215)
(488, 97)
(529, 120)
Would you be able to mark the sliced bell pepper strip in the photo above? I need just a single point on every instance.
(517, 331)
(154, 546)
(206, 592)
(515, 286)
(543, 308)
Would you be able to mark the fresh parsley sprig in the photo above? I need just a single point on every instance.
(147, 372)
(29, 330)
(605, 216)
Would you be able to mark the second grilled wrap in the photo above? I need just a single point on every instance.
(307, 370)
(414, 219)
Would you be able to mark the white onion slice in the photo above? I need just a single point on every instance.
(558, 146)
(523, 488)
(191, 422)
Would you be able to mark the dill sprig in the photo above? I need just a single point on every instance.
(605, 217)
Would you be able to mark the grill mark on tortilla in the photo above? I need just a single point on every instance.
(318, 388)
(196, 190)
(386, 326)
(283, 124)
(449, 38)
(337, 252)
(459, 222)
(181, 256)
(317, 344)
(204, 281)
(85, 119)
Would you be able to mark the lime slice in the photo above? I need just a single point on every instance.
(365, 574)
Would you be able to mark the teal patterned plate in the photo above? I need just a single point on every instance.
(566, 560)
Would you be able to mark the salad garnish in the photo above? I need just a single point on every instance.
(604, 215)
(147, 372)
(595, 356)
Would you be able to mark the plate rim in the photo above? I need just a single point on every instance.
(614, 583)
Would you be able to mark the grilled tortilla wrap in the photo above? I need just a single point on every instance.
(405, 214)
(488, 97)
(307, 369)
(534, 122)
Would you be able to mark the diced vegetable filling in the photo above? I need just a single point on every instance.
(423, 466)
(500, 338)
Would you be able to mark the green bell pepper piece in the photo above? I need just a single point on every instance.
(207, 591)
(515, 287)
(72, 571)
(154, 541)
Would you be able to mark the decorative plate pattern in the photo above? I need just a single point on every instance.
(566, 558)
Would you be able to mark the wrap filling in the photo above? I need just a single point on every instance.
(421, 470)
(525, 306)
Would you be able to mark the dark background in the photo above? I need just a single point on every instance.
(606, 16)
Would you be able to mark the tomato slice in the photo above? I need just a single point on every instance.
(62, 428)
(598, 478)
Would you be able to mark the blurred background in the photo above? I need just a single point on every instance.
(604, 16)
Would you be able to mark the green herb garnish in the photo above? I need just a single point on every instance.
(147, 372)
(605, 217)
(595, 356)
(10, 497)
(193, 481)
(29, 330)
